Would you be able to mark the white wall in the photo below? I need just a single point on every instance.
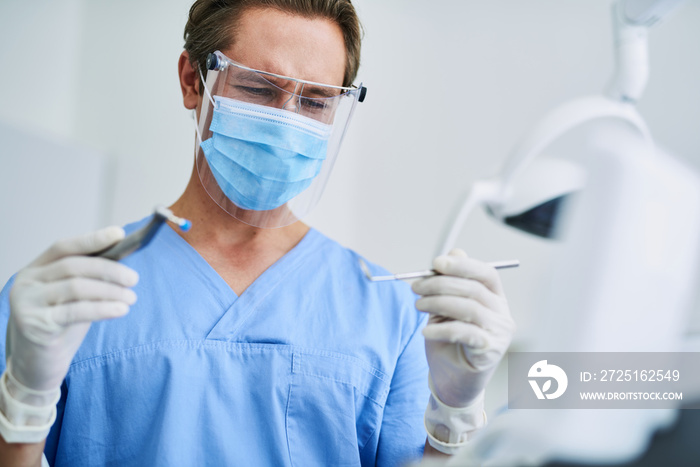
(40, 63)
(130, 103)
(452, 86)
(49, 190)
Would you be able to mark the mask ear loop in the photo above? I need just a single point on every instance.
(194, 111)
(196, 126)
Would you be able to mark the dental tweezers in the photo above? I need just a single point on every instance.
(429, 272)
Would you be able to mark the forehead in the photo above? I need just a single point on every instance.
(292, 45)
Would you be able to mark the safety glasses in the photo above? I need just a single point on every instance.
(314, 100)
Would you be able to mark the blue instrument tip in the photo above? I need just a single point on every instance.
(185, 226)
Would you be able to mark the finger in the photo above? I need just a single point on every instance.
(84, 266)
(456, 308)
(438, 319)
(469, 335)
(459, 265)
(80, 289)
(85, 312)
(456, 286)
(85, 244)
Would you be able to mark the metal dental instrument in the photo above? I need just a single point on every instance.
(429, 272)
(141, 237)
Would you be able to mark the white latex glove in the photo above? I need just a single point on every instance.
(469, 329)
(54, 300)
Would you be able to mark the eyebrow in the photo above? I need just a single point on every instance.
(252, 78)
(321, 92)
(309, 90)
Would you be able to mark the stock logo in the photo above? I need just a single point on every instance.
(543, 371)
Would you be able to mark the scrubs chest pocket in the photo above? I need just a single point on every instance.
(335, 407)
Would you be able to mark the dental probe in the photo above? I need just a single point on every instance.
(141, 237)
(429, 272)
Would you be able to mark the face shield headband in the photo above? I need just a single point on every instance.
(267, 142)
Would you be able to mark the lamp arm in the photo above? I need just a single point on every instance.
(646, 12)
(563, 119)
(491, 193)
(631, 22)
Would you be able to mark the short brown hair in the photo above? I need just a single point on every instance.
(211, 26)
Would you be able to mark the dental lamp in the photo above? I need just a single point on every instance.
(628, 218)
(531, 190)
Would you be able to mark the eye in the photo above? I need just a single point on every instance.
(255, 91)
(314, 105)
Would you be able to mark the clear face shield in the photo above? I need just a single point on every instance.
(268, 143)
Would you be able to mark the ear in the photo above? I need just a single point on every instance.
(189, 81)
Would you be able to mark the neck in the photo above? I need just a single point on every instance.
(215, 232)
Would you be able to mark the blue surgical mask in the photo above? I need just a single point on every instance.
(262, 157)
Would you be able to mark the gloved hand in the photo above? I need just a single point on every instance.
(54, 300)
(469, 329)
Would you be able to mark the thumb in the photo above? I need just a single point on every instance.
(441, 262)
(82, 245)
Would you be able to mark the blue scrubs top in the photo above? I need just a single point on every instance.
(312, 365)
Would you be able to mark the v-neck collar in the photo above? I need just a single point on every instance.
(239, 308)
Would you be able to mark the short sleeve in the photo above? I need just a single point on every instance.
(402, 435)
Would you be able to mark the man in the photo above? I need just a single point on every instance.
(255, 339)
